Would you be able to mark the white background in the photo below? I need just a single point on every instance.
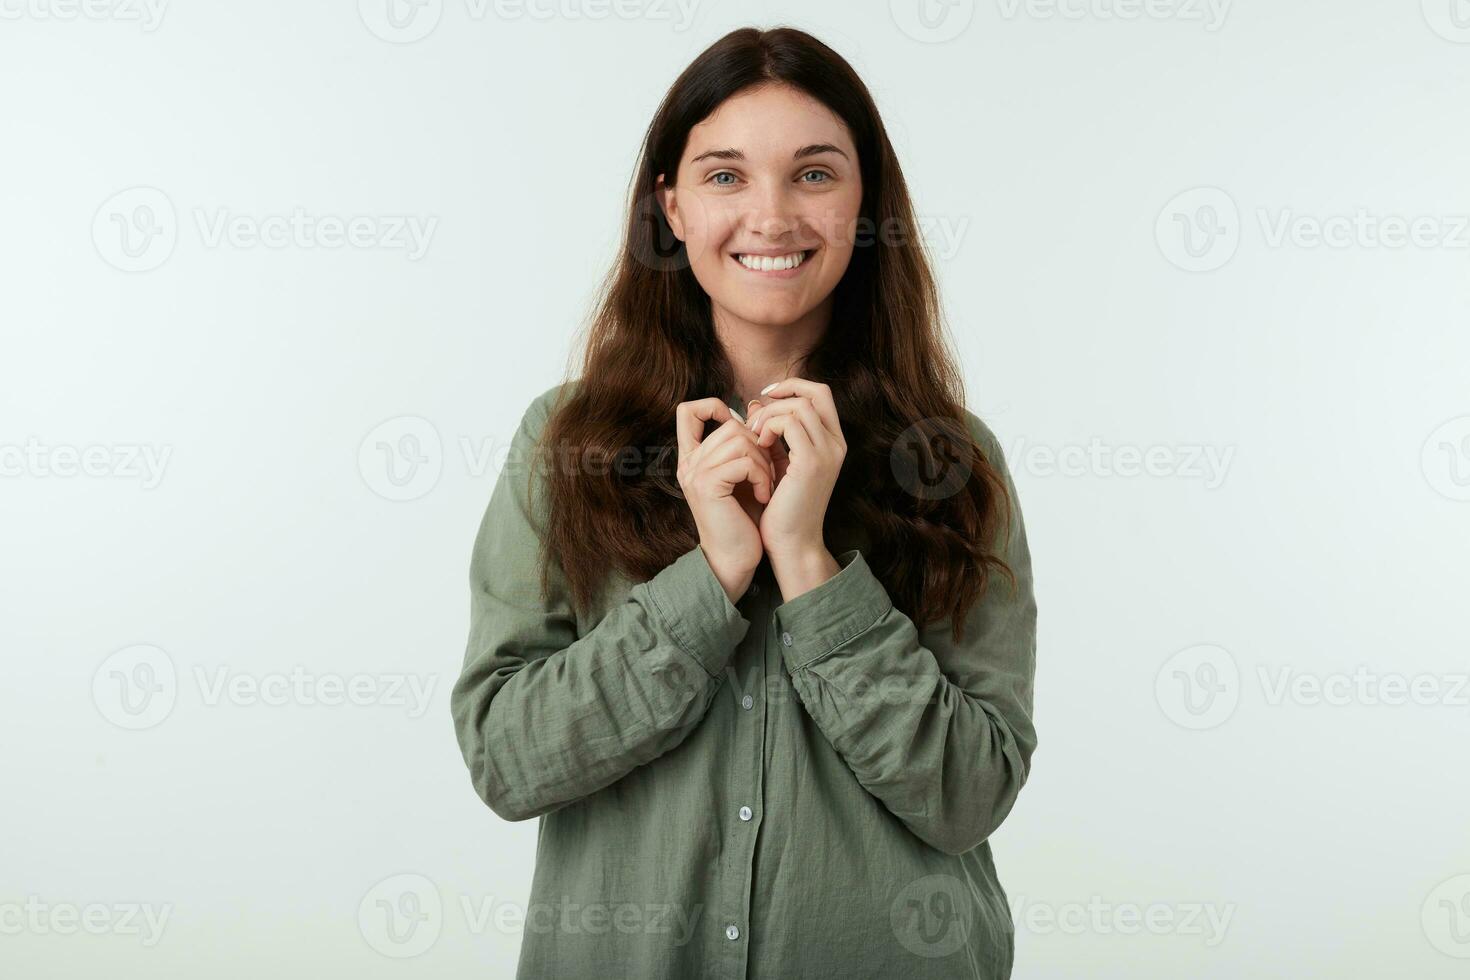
(1048, 149)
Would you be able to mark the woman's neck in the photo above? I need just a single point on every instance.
(761, 354)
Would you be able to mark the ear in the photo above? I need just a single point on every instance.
(668, 201)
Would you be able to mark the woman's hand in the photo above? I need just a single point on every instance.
(727, 480)
(803, 414)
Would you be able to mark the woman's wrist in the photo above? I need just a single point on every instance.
(802, 569)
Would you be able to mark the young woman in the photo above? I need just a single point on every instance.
(768, 685)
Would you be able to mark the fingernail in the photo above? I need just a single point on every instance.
(738, 416)
(769, 387)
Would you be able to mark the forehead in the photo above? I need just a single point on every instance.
(772, 120)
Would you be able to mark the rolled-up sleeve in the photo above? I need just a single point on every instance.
(545, 716)
(940, 732)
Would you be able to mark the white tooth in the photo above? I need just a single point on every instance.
(767, 263)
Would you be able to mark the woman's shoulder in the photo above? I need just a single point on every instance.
(985, 437)
(535, 415)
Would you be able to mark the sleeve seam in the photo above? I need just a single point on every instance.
(844, 640)
(685, 647)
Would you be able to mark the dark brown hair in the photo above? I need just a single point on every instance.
(651, 344)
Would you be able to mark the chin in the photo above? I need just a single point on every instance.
(769, 316)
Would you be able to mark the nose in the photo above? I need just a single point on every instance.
(772, 213)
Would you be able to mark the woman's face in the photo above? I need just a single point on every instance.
(772, 174)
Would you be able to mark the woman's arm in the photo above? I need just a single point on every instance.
(545, 717)
(941, 733)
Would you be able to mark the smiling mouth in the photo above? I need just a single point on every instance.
(773, 263)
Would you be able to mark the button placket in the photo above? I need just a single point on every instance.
(750, 745)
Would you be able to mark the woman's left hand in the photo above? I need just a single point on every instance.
(803, 414)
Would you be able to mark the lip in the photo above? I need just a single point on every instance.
(774, 273)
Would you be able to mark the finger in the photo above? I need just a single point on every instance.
(730, 441)
(802, 407)
(718, 441)
(740, 470)
(790, 428)
(819, 393)
(689, 419)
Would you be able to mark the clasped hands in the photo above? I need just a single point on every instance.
(779, 464)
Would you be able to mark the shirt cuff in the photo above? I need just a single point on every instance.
(692, 603)
(820, 620)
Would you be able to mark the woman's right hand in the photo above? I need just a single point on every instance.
(727, 481)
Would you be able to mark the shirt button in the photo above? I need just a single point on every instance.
(732, 932)
(745, 813)
(786, 638)
(747, 702)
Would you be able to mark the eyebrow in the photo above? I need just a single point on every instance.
(810, 150)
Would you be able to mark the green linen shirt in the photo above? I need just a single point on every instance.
(766, 789)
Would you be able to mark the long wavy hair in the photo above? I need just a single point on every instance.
(651, 344)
